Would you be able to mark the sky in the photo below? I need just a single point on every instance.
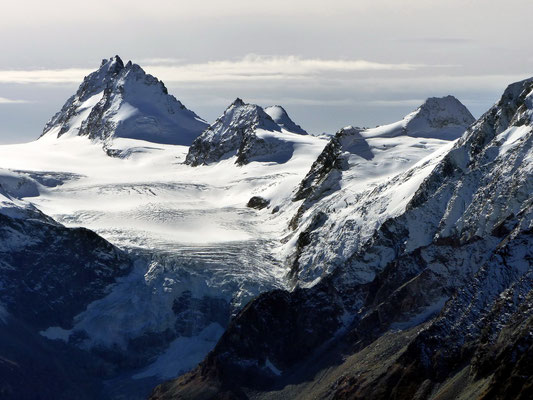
(330, 64)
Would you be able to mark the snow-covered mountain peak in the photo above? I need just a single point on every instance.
(514, 108)
(281, 117)
(439, 112)
(241, 115)
(438, 118)
(124, 101)
(507, 122)
(244, 130)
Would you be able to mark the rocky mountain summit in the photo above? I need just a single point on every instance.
(123, 101)
(435, 304)
(437, 113)
(249, 133)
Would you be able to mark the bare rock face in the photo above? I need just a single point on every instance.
(122, 101)
(451, 276)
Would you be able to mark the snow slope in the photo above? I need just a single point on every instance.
(362, 178)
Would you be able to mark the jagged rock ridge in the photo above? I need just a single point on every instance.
(122, 101)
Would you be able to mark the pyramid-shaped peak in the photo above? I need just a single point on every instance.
(444, 118)
(124, 101)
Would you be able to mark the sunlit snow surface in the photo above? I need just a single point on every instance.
(189, 226)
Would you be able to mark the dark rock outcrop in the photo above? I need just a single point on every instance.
(257, 202)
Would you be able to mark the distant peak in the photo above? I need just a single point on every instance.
(349, 130)
(443, 111)
(278, 107)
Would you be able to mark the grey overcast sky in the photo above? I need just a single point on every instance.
(330, 63)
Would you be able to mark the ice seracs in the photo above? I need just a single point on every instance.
(123, 101)
(248, 133)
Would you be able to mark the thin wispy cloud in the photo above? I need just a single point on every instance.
(437, 40)
(257, 67)
(4, 100)
(250, 67)
(45, 76)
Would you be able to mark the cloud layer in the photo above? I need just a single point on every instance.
(251, 67)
